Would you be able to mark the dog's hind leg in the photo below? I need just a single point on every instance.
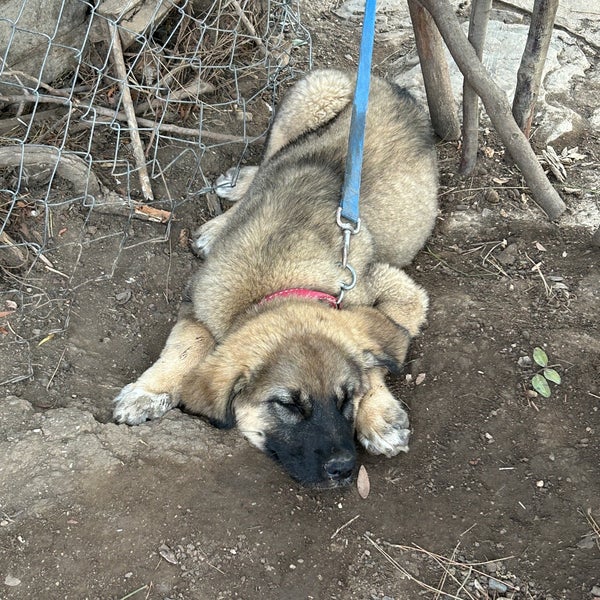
(157, 390)
(398, 297)
(231, 186)
(309, 104)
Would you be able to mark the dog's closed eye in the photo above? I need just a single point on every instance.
(291, 404)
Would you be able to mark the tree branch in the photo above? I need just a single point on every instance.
(497, 107)
(480, 15)
(440, 99)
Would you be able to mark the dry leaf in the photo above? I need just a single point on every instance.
(540, 247)
(488, 152)
(362, 482)
(5, 313)
(499, 181)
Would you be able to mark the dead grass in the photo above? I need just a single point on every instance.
(456, 578)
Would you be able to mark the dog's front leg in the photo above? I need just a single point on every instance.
(158, 389)
(381, 423)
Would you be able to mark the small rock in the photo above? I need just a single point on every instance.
(595, 591)
(497, 586)
(123, 297)
(167, 554)
(492, 196)
(509, 255)
(588, 542)
(11, 581)
(524, 361)
(492, 567)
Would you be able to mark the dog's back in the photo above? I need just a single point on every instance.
(284, 232)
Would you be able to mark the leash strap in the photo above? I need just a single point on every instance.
(348, 214)
(350, 195)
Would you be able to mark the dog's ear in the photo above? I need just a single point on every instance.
(211, 390)
(385, 343)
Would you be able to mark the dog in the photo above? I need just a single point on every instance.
(261, 342)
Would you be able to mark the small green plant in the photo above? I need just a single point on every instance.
(540, 380)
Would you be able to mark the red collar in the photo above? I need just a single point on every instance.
(303, 293)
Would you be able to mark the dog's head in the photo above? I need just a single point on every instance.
(291, 378)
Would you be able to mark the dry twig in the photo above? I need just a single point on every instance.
(121, 116)
(136, 141)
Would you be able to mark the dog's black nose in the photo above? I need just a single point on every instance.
(340, 466)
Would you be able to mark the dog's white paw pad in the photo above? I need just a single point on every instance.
(134, 405)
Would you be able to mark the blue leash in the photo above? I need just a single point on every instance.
(348, 214)
(351, 190)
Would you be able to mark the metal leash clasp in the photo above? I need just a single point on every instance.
(348, 230)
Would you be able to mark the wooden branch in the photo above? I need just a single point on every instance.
(136, 141)
(249, 27)
(121, 116)
(497, 107)
(442, 106)
(480, 15)
(529, 76)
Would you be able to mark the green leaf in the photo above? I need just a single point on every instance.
(540, 385)
(552, 375)
(540, 357)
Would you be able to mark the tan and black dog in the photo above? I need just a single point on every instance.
(254, 345)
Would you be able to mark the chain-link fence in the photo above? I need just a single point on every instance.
(125, 109)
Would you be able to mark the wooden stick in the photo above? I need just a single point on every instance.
(497, 107)
(248, 25)
(121, 116)
(442, 107)
(480, 15)
(136, 141)
(529, 76)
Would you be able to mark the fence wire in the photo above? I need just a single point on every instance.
(120, 108)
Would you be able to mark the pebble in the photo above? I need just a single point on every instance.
(595, 591)
(524, 361)
(497, 586)
(492, 196)
(11, 581)
(492, 567)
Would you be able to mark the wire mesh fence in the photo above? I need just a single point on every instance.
(125, 109)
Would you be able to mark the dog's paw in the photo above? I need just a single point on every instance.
(233, 184)
(384, 428)
(225, 184)
(134, 405)
(204, 236)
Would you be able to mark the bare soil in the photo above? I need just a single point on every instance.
(175, 509)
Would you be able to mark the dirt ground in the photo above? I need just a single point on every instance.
(499, 496)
